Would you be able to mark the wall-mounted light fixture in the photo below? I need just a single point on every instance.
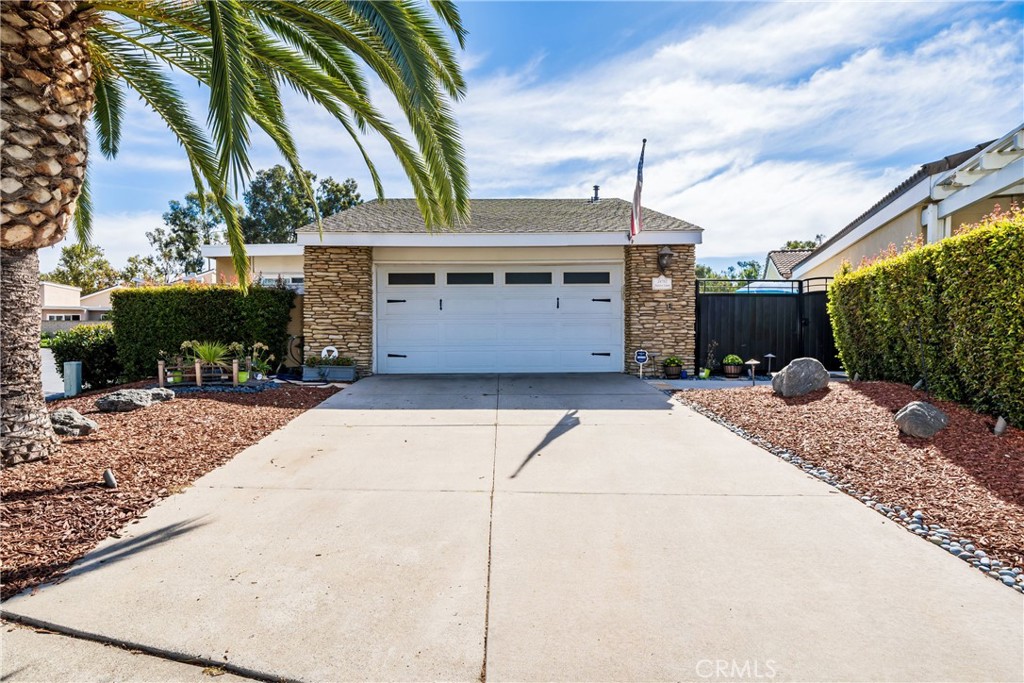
(665, 256)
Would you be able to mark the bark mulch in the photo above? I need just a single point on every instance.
(965, 478)
(54, 511)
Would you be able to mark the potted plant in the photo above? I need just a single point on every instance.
(328, 369)
(732, 365)
(212, 355)
(673, 366)
(261, 360)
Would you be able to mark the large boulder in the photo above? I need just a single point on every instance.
(802, 376)
(70, 422)
(124, 400)
(921, 419)
(161, 394)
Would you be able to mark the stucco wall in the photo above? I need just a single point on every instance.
(906, 226)
(338, 303)
(662, 322)
(486, 255)
(265, 265)
(975, 212)
(52, 295)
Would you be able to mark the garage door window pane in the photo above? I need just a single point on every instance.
(471, 278)
(410, 278)
(527, 278)
(595, 278)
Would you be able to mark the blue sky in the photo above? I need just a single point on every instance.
(765, 122)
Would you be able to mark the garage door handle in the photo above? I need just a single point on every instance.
(440, 304)
(607, 301)
(601, 354)
(558, 302)
(396, 301)
(397, 355)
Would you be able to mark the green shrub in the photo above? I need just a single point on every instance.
(952, 311)
(94, 346)
(148, 320)
(732, 359)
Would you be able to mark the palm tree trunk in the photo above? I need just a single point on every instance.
(47, 95)
(25, 430)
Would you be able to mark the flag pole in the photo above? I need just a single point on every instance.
(636, 218)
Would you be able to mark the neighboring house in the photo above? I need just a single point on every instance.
(929, 205)
(60, 302)
(528, 285)
(779, 264)
(64, 306)
(207, 277)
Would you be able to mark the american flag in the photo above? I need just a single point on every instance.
(636, 219)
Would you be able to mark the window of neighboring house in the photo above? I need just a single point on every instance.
(104, 316)
(289, 280)
(58, 317)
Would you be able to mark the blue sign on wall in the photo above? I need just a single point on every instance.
(640, 357)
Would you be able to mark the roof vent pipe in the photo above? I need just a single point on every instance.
(596, 198)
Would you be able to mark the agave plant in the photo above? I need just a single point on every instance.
(64, 61)
(210, 353)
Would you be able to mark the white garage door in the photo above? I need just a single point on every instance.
(499, 318)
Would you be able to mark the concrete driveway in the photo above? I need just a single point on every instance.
(531, 528)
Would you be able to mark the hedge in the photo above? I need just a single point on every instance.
(952, 312)
(148, 320)
(94, 346)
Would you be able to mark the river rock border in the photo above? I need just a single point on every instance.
(913, 521)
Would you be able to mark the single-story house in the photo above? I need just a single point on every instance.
(780, 262)
(64, 306)
(528, 285)
(929, 205)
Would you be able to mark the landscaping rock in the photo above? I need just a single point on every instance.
(124, 400)
(800, 377)
(70, 422)
(921, 419)
(161, 394)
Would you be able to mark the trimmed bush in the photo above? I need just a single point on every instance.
(93, 345)
(952, 311)
(148, 320)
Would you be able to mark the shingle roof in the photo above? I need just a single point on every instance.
(931, 168)
(504, 216)
(785, 259)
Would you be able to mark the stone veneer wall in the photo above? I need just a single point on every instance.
(662, 322)
(338, 302)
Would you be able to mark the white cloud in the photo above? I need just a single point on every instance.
(120, 235)
(781, 121)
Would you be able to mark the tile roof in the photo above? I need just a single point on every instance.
(785, 259)
(504, 216)
(931, 168)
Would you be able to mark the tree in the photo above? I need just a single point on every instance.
(276, 204)
(187, 227)
(143, 270)
(804, 244)
(84, 266)
(61, 61)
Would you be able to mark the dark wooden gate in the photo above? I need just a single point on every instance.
(786, 318)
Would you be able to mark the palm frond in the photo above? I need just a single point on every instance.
(231, 92)
(83, 212)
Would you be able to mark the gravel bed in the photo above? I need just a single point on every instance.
(963, 490)
(54, 511)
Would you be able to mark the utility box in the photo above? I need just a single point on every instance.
(72, 378)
